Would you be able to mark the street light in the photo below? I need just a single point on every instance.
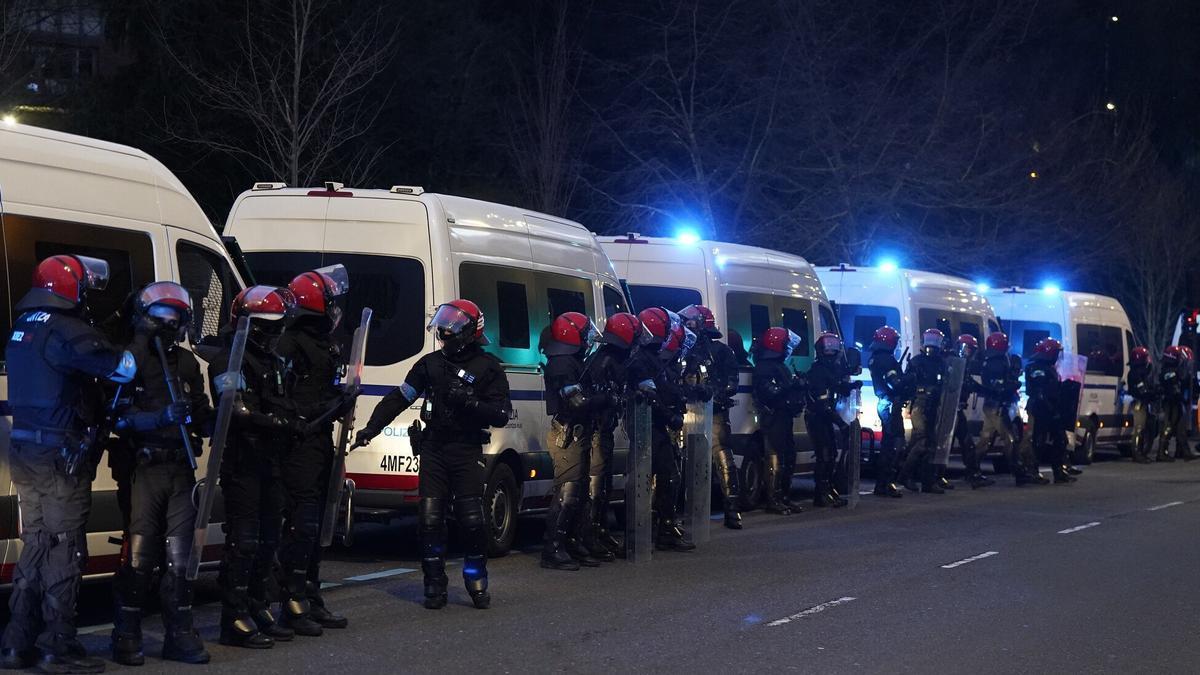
(1033, 174)
(1110, 105)
(10, 121)
(1115, 19)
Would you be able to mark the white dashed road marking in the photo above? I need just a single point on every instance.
(1077, 528)
(1168, 505)
(381, 575)
(812, 610)
(972, 559)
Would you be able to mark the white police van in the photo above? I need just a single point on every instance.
(911, 301)
(1087, 324)
(748, 289)
(61, 193)
(406, 252)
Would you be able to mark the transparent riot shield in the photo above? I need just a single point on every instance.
(639, 490)
(953, 373)
(1072, 370)
(847, 409)
(697, 469)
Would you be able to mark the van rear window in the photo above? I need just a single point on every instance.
(673, 299)
(861, 321)
(951, 323)
(394, 287)
(1026, 334)
(1102, 347)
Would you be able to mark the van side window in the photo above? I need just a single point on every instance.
(861, 321)
(28, 240)
(512, 313)
(392, 286)
(828, 325)
(673, 299)
(796, 320)
(559, 293)
(993, 327)
(951, 323)
(1128, 346)
(1102, 347)
(210, 282)
(970, 328)
(614, 301)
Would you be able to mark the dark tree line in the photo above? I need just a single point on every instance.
(967, 136)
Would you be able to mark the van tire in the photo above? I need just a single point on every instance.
(752, 481)
(501, 501)
(1085, 450)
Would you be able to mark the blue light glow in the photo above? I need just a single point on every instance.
(888, 265)
(721, 260)
(687, 236)
(983, 287)
(1050, 288)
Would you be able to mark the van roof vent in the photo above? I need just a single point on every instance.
(842, 267)
(631, 238)
(268, 186)
(1014, 289)
(407, 190)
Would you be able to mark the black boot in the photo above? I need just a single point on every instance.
(238, 628)
(1061, 475)
(671, 537)
(558, 523)
(772, 469)
(318, 611)
(260, 611)
(296, 610)
(68, 656)
(181, 642)
(942, 481)
(908, 472)
(727, 473)
(129, 594)
(929, 481)
(598, 489)
(475, 577)
(436, 582)
(12, 658)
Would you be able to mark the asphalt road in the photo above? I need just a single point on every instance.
(1098, 576)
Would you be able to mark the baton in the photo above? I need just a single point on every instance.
(173, 392)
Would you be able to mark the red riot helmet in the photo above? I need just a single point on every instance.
(885, 339)
(62, 281)
(1140, 356)
(701, 320)
(778, 343)
(317, 292)
(660, 323)
(967, 345)
(1173, 356)
(932, 341)
(270, 310)
(570, 333)
(1047, 349)
(997, 342)
(624, 330)
(457, 324)
(679, 344)
(169, 304)
(829, 346)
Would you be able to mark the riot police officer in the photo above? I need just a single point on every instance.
(778, 397)
(999, 386)
(712, 370)
(465, 392)
(1143, 390)
(162, 514)
(887, 377)
(1173, 385)
(317, 362)
(263, 429)
(658, 358)
(826, 384)
(622, 333)
(572, 409)
(55, 358)
(927, 370)
(973, 454)
(1047, 428)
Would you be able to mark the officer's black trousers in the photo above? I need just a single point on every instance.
(253, 493)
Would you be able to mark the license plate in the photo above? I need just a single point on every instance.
(400, 464)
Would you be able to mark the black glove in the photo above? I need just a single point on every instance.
(347, 404)
(457, 397)
(179, 412)
(364, 437)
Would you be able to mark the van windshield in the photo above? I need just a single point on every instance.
(394, 287)
(859, 322)
(669, 297)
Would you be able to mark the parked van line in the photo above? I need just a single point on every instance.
(1087, 324)
(61, 193)
(749, 289)
(911, 301)
(407, 251)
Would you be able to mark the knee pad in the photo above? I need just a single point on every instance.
(432, 514)
(144, 552)
(244, 541)
(178, 548)
(469, 510)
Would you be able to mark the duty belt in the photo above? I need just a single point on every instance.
(45, 437)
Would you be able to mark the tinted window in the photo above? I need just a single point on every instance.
(749, 315)
(512, 314)
(1128, 346)
(760, 321)
(861, 321)
(828, 325)
(27, 240)
(952, 324)
(614, 301)
(1102, 347)
(503, 293)
(673, 299)
(210, 282)
(393, 287)
(993, 327)
(561, 301)
(971, 328)
(558, 293)
(1026, 334)
(796, 320)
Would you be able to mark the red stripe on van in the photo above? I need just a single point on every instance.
(372, 481)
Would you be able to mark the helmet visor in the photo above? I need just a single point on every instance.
(95, 272)
(167, 293)
(792, 343)
(641, 334)
(449, 320)
(337, 280)
(689, 341)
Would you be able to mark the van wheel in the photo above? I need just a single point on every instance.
(346, 516)
(752, 481)
(501, 499)
(1085, 450)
